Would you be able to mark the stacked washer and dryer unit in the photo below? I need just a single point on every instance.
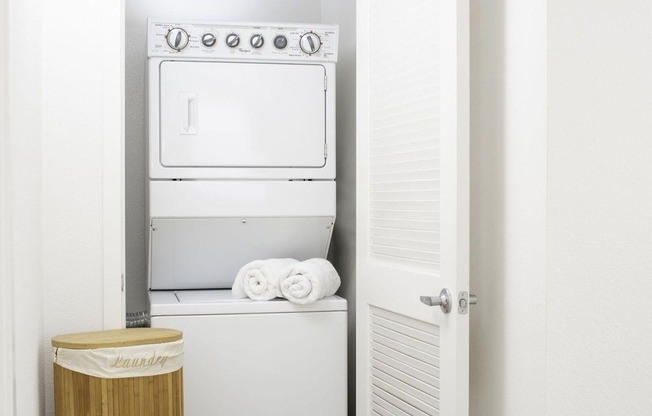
(242, 167)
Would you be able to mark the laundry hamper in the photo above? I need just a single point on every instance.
(125, 372)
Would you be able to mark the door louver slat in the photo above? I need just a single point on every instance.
(404, 126)
(404, 365)
(389, 409)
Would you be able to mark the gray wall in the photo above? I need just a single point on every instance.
(343, 245)
(137, 12)
(342, 12)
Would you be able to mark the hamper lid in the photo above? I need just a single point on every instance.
(116, 338)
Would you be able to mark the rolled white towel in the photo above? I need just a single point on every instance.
(259, 280)
(309, 281)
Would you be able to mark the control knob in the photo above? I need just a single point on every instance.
(208, 40)
(232, 40)
(310, 43)
(280, 42)
(177, 38)
(257, 41)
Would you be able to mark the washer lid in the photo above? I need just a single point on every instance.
(220, 302)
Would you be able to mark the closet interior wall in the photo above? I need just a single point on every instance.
(341, 12)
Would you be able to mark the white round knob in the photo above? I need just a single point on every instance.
(232, 40)
(177, 38)
(209, 40)
(310, 43)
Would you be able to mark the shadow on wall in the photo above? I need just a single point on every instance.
(488, 108)
(343, 244)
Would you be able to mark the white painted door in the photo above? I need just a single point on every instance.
(413, 206)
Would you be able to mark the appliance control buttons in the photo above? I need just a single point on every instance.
(257, 41)
(280, 42)
(310, 43)
(232, 40)
(209, 40)
(177, 38)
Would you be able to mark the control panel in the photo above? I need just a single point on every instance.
(269, 41)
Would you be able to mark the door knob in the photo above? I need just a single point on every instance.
(444, 300)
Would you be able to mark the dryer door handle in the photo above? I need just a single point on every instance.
(187, 113)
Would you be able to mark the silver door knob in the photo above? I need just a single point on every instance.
(444, 300)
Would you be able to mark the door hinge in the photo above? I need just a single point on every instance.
(325, 150)
(325, 83)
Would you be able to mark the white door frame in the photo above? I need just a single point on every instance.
(6, 286)
(113, 246)
(113, 132)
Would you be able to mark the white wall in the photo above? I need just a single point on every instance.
(24, 203)
(63, 150)
(6, 284)
(137, 13)
(599, 211)
(74, 87)
(508, 191)
(562, 207)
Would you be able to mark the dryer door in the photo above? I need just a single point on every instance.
(223, 114)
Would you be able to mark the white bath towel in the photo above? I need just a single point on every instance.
(259, 280)
(309, 281)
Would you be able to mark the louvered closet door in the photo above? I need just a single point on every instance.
(413, 206)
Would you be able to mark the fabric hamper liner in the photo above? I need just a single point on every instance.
(124, 372)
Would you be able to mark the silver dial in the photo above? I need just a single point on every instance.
(257, 41)
(208, 40)
(177, 38)
(310, 43)
(232, 40)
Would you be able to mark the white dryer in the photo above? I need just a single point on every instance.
(241, 147)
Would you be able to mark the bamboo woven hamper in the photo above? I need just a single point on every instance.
(78, 393)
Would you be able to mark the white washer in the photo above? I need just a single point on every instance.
(271, 358)
(241, 147)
